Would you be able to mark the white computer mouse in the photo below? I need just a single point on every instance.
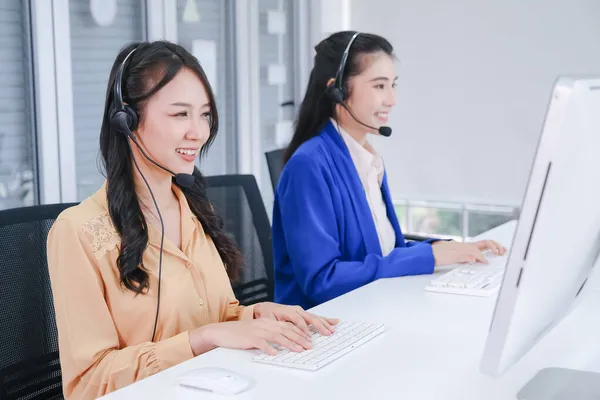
(216, 380)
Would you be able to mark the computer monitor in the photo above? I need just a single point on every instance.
(557, 239)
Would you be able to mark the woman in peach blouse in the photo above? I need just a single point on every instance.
(105, 257)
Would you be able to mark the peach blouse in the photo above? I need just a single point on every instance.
(104, 329)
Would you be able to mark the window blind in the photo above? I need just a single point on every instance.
(17, 136)
(93, 50)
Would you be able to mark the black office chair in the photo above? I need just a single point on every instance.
(29, 363)
(237, 200)
(275, 164)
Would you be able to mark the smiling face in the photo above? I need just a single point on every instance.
(176, 123)
(372, 93)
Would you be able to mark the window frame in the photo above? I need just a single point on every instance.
(46, 102)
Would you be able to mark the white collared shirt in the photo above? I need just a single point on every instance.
(369, 166)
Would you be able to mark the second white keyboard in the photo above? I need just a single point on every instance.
(481, 280)
(347, 337)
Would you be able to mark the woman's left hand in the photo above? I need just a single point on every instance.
(297, 316)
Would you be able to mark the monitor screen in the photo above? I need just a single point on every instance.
(557, 239)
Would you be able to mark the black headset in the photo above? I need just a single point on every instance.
(337, 91)
(123, 118)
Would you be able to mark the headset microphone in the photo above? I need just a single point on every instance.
(383, 130)
(184, 180)
(337, 93)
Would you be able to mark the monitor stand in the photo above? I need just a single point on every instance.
(562, 384)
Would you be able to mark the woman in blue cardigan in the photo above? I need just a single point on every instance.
(334, 225)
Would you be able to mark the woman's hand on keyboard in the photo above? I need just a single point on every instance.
(257, 333)
(491, 245)
(297, 316)
(449, 252)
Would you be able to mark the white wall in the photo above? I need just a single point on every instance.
(474, 82)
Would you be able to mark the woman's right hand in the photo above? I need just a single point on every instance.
(450, 252)
(253, 334)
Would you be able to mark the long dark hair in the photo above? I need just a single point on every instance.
(148, 69)
(316, 108)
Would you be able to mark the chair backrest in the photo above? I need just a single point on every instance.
(275, 164)
(237, 200)
(29, 363)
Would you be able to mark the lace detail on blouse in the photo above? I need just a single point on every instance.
(102, 234)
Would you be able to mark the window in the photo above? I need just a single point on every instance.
(205, 29)
(18, 182)
(440, 219)
(93, 50)
(483, 219)
(277, 86)
(451, 220)
(401, 209)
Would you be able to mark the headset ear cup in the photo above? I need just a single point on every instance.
(120, 121)
(328, 94)
(335, 94)
(133, 118)
(124, 120)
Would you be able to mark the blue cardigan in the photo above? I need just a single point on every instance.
(325, 242)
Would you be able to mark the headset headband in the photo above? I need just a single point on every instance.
(340, 72)
(118, 84)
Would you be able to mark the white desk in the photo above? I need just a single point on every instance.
(430, 350)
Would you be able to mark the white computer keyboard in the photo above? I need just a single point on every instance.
(472, 279)
(347, 337)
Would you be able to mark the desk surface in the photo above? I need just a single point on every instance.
(430, 350)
